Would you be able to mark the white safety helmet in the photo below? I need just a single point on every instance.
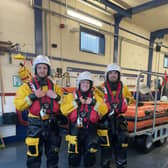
(143, 89)
(112, 67)
(164, 99)
(41, 59)
(84, 76)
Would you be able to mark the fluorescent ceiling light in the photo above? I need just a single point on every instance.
(121, 4)
(95, 7)
(84, 18)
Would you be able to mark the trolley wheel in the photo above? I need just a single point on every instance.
(161, 142)
(148, 144)
(144, 143)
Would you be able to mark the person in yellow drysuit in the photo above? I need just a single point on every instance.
(42, 98)
(83, 108)
(115, 122)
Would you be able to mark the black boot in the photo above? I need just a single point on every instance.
(107, 164)
(121, 164)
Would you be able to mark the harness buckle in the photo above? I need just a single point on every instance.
(82, 114)
(111, 113)
(114, 105)
(46, 106)
(43, 113)
(79, 122)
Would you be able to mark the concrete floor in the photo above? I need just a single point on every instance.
(14, 156)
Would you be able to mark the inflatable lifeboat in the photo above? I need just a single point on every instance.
(145, 115)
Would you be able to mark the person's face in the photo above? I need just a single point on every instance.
(113, 76)
(42, 70)
(84, 85)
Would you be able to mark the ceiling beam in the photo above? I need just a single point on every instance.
(122, 3)
(90, 3)
(146, 6)
(153, 36)
(113, 6)
(159, 33)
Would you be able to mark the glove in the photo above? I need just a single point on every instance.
(58, 98)
(122, 123)
(32, 97)
(93, 145)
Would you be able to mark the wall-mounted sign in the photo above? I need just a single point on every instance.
(16, 81)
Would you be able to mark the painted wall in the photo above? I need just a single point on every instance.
(18, 26)
(69, 42)
(130, 49)
(133, 50)
(158, 59)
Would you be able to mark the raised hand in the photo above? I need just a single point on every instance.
(51, 94)
(39, 93)
(88, 100)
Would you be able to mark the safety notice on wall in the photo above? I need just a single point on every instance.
(16, 81)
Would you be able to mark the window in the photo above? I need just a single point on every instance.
(166, 61)
(92, 41)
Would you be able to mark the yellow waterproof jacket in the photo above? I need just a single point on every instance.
(22, 100)
(69, 104)
(127, 94)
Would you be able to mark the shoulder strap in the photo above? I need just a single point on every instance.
(120, 97)
(89, 107)
(109, 96)
(76, 94)
(50, 84)
(33, 84)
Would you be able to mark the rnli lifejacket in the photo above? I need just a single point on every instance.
(85, 111)
(112, 100)
(52, 105)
